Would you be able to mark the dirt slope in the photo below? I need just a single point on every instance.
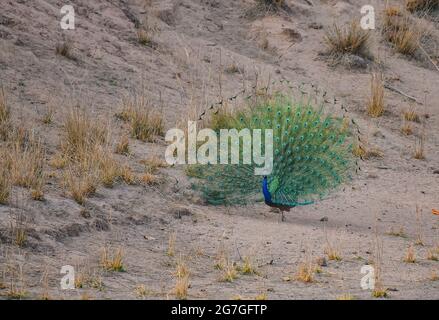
(187, 67)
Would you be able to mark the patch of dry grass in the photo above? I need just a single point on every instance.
(406, 128)
(123, 146)
(410, 256)
(351, 39)
(432, 256)
(5, 180)
(182, 279)
(152, 164)
(410, 114)
(5, 116)
(171, 244)
(127, 175)
(375, 106)
(229, 272)
(248, 267)
(150, 179)
(48, 115)
(112, 260)
(364, 150)
(267, 7)
(144, 37)
(82, 135)
(419, 148)
(81, 184)
(109, 169)
(404, 33)
(145, 122)
(346, 296)
(64, 49)
(26, 163)
(397, 232)
(305, 272)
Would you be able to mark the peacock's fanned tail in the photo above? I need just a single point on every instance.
(312, 156)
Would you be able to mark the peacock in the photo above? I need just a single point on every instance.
(312, 155)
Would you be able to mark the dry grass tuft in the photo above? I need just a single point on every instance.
(375, 106)
(351, 39)
(230, 272)
(402, 31)
(419, 148)
(267, 7)
(406, 128)
(432, 256)
(64, 49)
(127, 175)
(410, 256)
(5, 181)
(411, 114)
(48, 115)
(346, 296)
(81, 184)
(305, 272)
(112, 261)
(26, 163)
(363, 150)
(397, 232)
(171, 244)
(82, 135)
(182, 280)
(248, 267)
(141, 291)
(379, 293)
(145, 122)
(109, 169)
(150, 179)
(153, 163)
(144, 37)
(5, 116)
(123, 146)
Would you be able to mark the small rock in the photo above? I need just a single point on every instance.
(315, 25)
(180, 212)
(436, 171)
(324, 219)
(85, 214)
(322, 262)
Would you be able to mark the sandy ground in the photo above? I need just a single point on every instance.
(194, 42)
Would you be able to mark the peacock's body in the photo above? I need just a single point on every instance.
(311, 156)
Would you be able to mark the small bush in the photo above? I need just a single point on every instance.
(375, 106)
(351, 39)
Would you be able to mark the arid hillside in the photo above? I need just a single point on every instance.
(83, 181)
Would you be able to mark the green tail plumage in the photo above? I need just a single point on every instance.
(311, 150)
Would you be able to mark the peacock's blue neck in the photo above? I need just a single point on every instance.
(265, 191)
